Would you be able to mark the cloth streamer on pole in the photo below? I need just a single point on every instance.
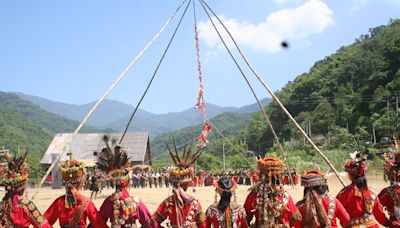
(203, 137)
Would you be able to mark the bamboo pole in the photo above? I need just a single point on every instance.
(277, 99)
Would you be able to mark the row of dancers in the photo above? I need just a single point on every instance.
(267, 204)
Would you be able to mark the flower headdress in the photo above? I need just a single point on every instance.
(15, 174)
(270, 166)
(184, 170)
(114, 161)
(72, 171)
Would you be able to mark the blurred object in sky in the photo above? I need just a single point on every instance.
(285, 44)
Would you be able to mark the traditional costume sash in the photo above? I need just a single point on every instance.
(33, 212)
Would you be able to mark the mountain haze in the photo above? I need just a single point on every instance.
(114, 115)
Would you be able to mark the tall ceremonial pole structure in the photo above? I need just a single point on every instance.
(207, 125)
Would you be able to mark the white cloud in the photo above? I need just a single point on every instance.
(293, 24)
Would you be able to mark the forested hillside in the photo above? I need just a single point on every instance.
(352, 92)
(49, 121)
(229, 124)
(338, 102)
(19, 132)
(26, 126)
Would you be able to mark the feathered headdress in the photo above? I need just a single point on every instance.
(15, 173)
(114, 161)
(184, 170)
(357, 166)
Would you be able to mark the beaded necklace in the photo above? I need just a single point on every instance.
(122, 209)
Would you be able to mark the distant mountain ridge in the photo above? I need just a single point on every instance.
(51, 122)
(114, 115)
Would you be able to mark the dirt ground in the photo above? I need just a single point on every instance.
(153, 196)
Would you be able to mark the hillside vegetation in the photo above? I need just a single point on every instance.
(25, 125)
(341, 99)
(338, 102)
(19, 132)
(48, 121)
(228, 124)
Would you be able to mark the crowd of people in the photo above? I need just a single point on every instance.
(96, 181)
(267, 204)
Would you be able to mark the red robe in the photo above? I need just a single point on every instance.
(352, 200)
(333, 208)
(387, 198)
(236, 178)
(254, 177)
(142, 213)
(195, 181)
(57, 210)
(201, 179)
(295, 179)
(289, 216)
(236, 216)
(23, 213)
(192, 213)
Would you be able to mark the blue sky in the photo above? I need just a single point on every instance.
(71, 51)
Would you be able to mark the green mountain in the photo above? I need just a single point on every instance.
(19, 132)
(355, 90)
(48, 121)
(229, 124)
(115, 115)
(25, 125)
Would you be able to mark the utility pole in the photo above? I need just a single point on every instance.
(223, 153)
(387, 104)
(397, 110)
(373, 133)
(309, 128)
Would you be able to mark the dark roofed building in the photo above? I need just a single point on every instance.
(85, 146)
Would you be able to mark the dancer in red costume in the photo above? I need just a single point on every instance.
(268, 202)
(390, 196)
(16, 210)
(316, 208)
(360, 202)
(182, 209)
(72, 209)
(120, 208)
(225, 213)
